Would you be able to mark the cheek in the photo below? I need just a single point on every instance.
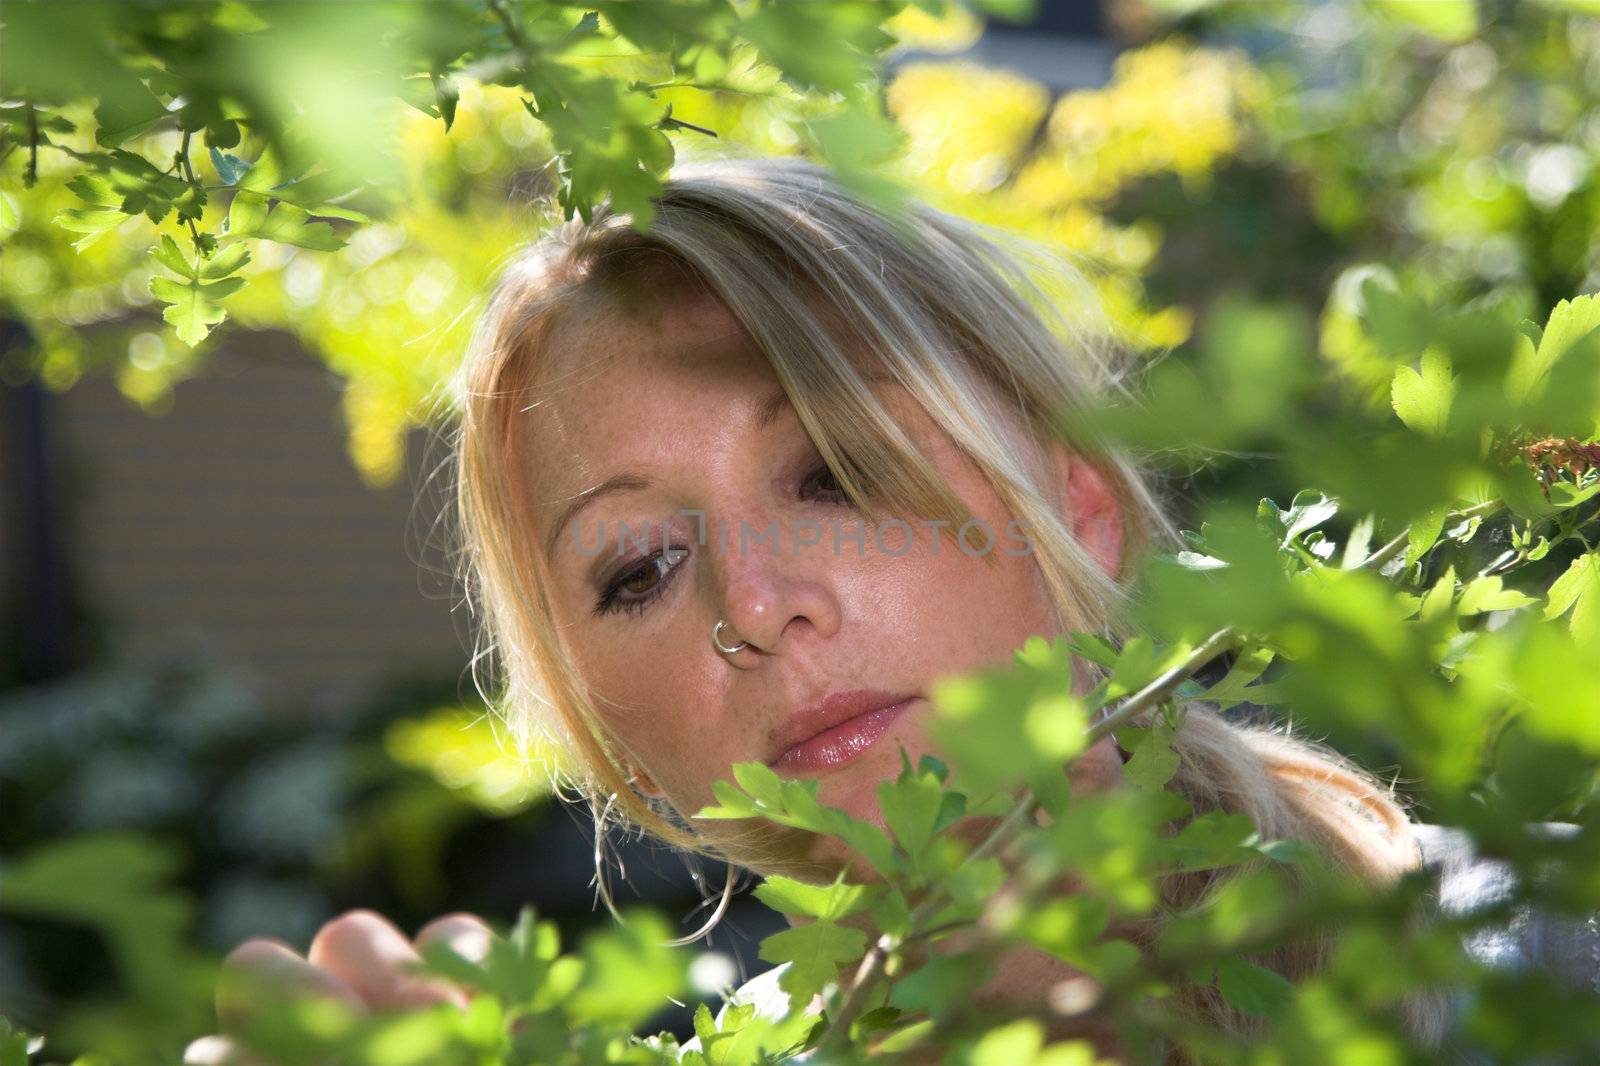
(658, 699)
(955, 612)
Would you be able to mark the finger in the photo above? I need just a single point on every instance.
(213, 1050)
(464, 934)
(374, 958)
(259, 970)
(218, 1050)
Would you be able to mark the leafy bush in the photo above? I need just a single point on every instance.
(1428, 598)
(1456, 627)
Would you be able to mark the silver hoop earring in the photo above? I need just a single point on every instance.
(604, 890)
(716, 634)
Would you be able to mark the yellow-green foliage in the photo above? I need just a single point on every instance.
(390, 311)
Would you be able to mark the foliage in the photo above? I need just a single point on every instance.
(387, 302)
(159, 812)
(303, 93)
(1453, 625)
(1428, 598)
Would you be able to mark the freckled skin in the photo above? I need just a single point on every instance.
(669, 391)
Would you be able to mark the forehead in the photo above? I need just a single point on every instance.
(628, 379)
(688, 332)
(650, 356)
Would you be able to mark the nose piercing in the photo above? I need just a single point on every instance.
(716, 632)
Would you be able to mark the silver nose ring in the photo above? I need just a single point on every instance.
(716, 638)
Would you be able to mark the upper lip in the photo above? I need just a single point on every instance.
(833, 709)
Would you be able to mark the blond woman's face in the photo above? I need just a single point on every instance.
(666, 406)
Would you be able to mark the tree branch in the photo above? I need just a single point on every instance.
(871, 968)
(1377, 559)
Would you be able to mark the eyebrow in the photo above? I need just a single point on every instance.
(767, 412)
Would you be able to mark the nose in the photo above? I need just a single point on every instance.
(770, 595)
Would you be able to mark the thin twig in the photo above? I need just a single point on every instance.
(1377, 559)
(194, 182)
(1500, 561)
(33, 146)
(513, 29)
(1156, 692)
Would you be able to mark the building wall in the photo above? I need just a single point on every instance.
(235, 523)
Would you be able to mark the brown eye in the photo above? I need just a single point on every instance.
(642, 579)
(821, 483)
(636, 587)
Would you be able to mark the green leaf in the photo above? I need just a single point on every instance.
(1554, 674)
(1423, 533)
(447, 94)
(169, 255)
(1135, 667)
(731, 803)
(819, 46)
(1488, 594)
(1001, 727)
(794, 803)
(910, 806)
(761, 781)
(1307, 511)
(1422, 399)
(1448, 20)
(225, 262)
(1011, 1044)
(518, 966)
(95, 189)
(230, 168)
(629, 973)
(15, 1044)
(1093, 648)
(1253, 989)
(939, 984)
(249, 216)
(1578, 591)
(1008, 10)
(1214, 839)
(1436, 604)
(891, 913)
(1569, 322)
(836, 900)
(193, 308)
(125, 113)
(1234, 688)
(1152, 762)
(94, 223)
(118, 884)
(816, 951)
(1066, 926)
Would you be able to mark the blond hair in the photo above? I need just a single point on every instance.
(959, 314)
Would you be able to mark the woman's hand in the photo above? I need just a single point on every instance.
(358, 958)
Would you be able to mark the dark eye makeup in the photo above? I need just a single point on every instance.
(640, 582)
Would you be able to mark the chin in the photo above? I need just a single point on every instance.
(853, 788)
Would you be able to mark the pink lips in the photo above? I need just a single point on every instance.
(837, 730)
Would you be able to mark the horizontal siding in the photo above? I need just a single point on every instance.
(235, 524)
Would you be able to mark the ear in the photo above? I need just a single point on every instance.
(646, 784)
(1091, 508)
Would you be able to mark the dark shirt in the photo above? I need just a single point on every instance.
(1560, 946)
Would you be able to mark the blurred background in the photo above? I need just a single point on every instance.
(229, 624)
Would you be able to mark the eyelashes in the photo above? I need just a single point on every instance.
(660, 566)
(640, 583)
(822, 476)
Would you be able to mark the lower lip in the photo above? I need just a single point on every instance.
(842, 743)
